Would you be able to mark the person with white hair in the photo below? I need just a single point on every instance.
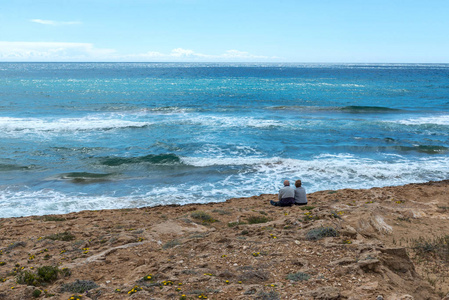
(286, 196)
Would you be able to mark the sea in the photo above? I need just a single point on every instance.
(90, 136)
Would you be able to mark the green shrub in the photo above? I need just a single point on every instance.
(307, 207)
(28, 278)
(300, 276)
(322, 232)
(437, 247)
(15, 245)
(203, 217)
(37, 293)
(171, 244)
(272, 295)
(79, 286)
(257, 219)
(63, 236)
(222, 212)
(234, 224)
(42, 276)
(48, 273)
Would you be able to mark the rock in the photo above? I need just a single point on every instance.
(349, 231)
(342, 262)
(369, 265)
(325, 293)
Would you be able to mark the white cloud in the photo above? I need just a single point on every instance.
(54, 23)
(44, 51)
(57, 51)
(180, 54)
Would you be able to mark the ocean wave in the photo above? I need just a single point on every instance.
(8, 124)
(13, 167)
(434, 120)
(427, 149)
(223, 121)
(152, 159)
(350, 109)
(86, 177)
(46, 201)
(250, 176)
(368, 109)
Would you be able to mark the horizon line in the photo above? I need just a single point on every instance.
(231, 62)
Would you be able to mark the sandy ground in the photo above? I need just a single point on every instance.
(347, 244)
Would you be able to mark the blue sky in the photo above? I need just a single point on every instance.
(385, 31)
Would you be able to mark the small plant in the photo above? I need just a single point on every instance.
(66, 272)
(28, 278)
(148, 277)
(76, 297)
(37, 293)
(63, 236)
(437, 247)
(300, 276)
(171, 244)
(43, 275)
(309, 217)
(222, 212)
(79, 286)
(134, 290)
(335, 215)
(321, 232)
(167, 282)
(257, 219)
(272, 295)
(307, 207)
(234, 224)
(48, 273)
(15, 245)
(203, 217)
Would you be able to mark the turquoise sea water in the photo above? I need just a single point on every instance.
(78, 136)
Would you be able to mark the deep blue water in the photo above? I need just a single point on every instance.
(80, 136)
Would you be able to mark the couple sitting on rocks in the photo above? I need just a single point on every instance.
(289, 195)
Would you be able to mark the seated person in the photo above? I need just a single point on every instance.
(300, 194)
(286, 195)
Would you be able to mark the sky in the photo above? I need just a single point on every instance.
(309, 31)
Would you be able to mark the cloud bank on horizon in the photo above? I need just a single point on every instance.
(87, 52)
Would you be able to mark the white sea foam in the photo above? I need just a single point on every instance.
(331, 171)
(223, 121)
(27, 125)
(436, 120)
(249, 176)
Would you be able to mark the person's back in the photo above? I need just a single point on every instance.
(300, 194)
(286, 195)
(286, 192)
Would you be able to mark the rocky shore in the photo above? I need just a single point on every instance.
(380, 243)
